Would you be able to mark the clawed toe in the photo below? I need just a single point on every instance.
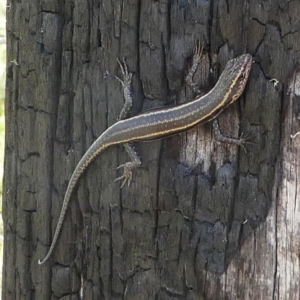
(245, 139)
(198, 51)
(127, 76)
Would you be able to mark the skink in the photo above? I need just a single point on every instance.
(163, 122)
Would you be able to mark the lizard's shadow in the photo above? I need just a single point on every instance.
(219, 210)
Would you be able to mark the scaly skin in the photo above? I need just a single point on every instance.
(163, 122)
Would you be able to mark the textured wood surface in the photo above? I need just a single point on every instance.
(201, 220)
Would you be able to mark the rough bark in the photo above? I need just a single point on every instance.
(201, 220)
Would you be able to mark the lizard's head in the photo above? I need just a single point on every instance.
(235, 76)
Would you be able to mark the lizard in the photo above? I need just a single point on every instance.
(163, 122)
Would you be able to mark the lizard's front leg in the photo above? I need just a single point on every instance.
(135, 160)
(230, 140)
(197, 56)
(198, 51)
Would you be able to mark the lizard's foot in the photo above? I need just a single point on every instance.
(127, 173)
(245, 139)
(125, 81)
(127, 76)
(198, 52)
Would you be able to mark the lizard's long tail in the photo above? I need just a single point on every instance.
(90, 154)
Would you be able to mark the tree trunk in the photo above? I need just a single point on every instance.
(201, 220)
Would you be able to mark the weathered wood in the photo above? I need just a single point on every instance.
(201, 220)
